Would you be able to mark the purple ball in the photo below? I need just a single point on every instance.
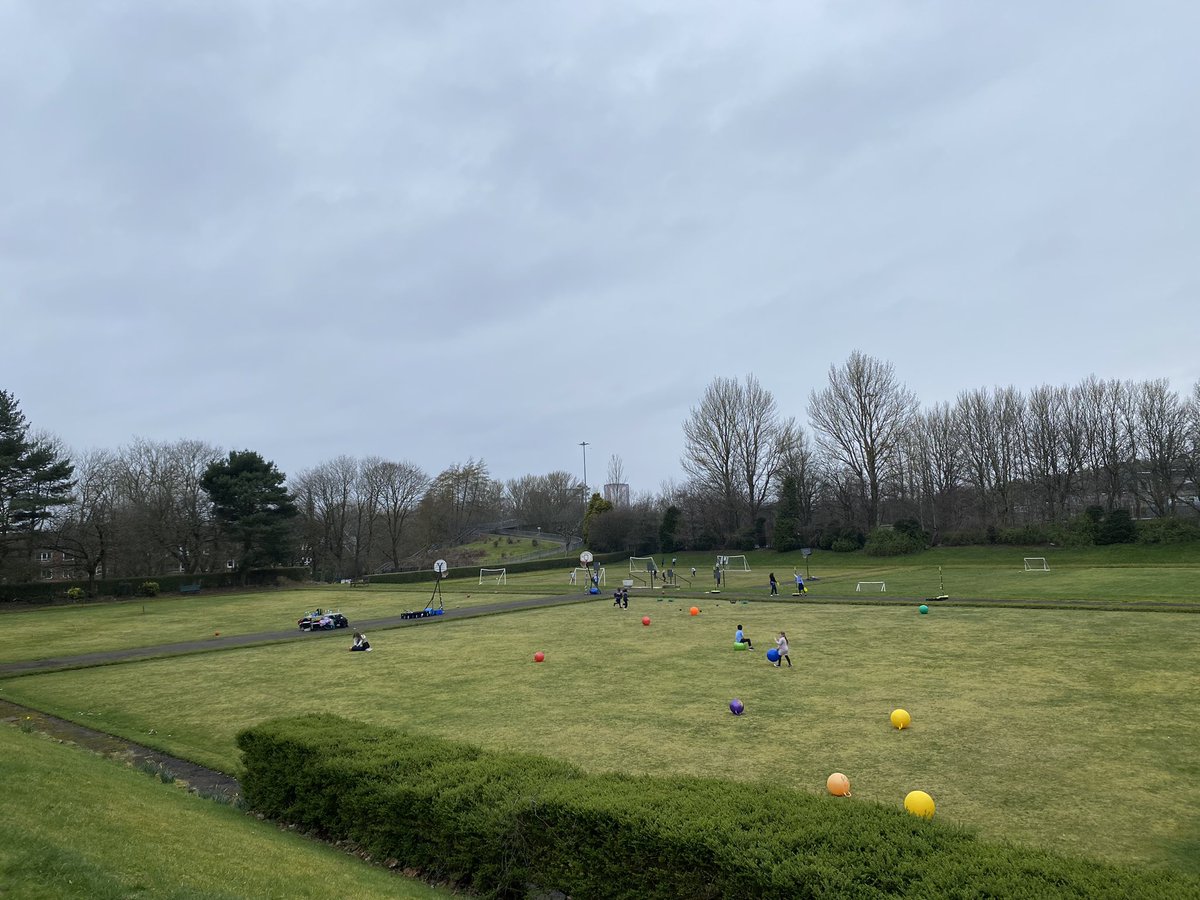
(736, 707)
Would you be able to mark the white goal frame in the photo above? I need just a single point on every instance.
(501, 575)
(587, 575)
(1029, 567)
(729, 562)
(647, 562)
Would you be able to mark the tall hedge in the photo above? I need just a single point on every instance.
(509, 824)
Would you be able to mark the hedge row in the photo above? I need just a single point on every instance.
(509, 824)
(530, 565)
(49, 591)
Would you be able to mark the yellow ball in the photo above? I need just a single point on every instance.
(920, 804)
(901, 719)
(838, 785)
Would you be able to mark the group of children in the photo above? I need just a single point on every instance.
(800, 588)
(781, 644)
(621, 598)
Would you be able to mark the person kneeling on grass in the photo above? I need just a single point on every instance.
(360, 642)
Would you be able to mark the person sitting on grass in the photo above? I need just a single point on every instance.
(360, 642)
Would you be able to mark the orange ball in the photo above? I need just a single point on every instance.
(838, 785)
(695, 610)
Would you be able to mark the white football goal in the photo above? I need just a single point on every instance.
(733, 562)
(499, 576)
(642, 564)
(1036, 564)
(580, 575)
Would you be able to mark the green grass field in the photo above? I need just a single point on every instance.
(77, 825)
(1068, 729)
(1072, 730)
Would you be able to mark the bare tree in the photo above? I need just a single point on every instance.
(733, 447)
(616, 470)
(990, 428)
(86, 525)
(1052, 443)
(167, 512)
(399, 487)
(1106, 410)
(938, 459)
(327, 499)
(1162, 428)
(860, 419)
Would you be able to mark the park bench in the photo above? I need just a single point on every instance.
(189, 588)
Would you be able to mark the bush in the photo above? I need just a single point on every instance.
(963, 538)
(75, 593)
(148, 589)
(515, 825)
(890, 542)
(843, 545)
(1116, 527)
(1167, 531)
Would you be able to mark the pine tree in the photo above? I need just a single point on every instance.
(253, 506)
(34, 483)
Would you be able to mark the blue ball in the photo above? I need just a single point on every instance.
(736, 707)
(773, 655)
(923, 609)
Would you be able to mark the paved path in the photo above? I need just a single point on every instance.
(86, 660)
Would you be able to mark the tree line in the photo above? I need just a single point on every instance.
(995, 464)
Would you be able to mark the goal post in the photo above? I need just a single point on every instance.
(499, 576)
(642, 564)
(1036, 564)
(580, 575)
(737, 563)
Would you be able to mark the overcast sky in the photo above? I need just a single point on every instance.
(434, 231)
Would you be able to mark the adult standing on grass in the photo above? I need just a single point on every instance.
(781, 645)
(774, 585)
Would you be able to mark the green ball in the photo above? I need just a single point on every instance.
(923, 609)
(739, 645)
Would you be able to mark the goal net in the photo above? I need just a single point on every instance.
(580, 575)
(499, 576)
(1036, 564)
(642, 564)
(733, 562)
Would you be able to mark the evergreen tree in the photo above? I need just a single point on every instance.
(34, 483)
(787, 515)
(253, 506)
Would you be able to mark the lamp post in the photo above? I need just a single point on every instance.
(584, 445)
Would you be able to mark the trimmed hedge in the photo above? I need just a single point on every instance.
(510, 824)
(49, 591)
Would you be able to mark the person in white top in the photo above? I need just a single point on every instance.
(781, 645)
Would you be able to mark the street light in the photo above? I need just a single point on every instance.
(584, 445)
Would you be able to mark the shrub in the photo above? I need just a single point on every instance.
(515, 825)
(889, 542)
(75, 593)
(964, 538)
(843, 545)
(1116, 527)
(148, 589)
(1167, 531)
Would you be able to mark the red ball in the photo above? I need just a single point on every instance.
(645, 620)
(539, 656)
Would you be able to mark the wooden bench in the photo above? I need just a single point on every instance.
(189, 588)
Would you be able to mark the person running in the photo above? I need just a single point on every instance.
(774, 585)
(617, 597)
(624, 598)
(781, 645)
(739, 637)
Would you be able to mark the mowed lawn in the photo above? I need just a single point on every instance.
(78, 825)
(1066, 729)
